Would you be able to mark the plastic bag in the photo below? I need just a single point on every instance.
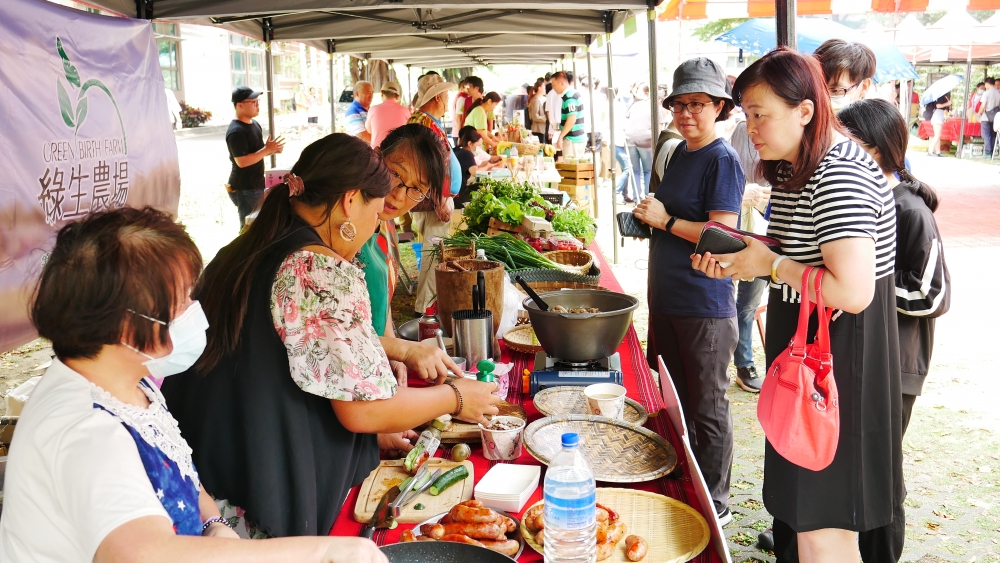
(511, 305)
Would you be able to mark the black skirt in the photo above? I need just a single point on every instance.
(865, 481)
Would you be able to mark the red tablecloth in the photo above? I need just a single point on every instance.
(950, 130)
(641, 387)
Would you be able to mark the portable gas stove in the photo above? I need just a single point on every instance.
(553, 372)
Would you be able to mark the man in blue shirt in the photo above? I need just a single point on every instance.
(357, 112)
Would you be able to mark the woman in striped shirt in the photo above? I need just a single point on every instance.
(830, 207)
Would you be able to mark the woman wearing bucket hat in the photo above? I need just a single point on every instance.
(692, 320)
(830, 207)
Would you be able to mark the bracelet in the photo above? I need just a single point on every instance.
(213, 520)
(458, 394)
(670, 224)
(774, 269)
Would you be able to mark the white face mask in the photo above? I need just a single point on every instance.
(187, 334)
(841, 103)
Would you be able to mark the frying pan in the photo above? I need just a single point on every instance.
(441, 552)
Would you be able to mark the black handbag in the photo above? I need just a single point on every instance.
(629, 226)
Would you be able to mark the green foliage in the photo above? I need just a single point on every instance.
(504, 200)
(709, 31)
(577, 223)
(192, 116)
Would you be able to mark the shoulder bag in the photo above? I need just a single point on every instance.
(799, 407)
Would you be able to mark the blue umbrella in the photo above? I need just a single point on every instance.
(758, 36)
(940, 88)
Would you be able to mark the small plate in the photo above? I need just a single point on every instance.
(556, 401)
(515, 535)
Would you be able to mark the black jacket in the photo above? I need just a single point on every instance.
(923, 285)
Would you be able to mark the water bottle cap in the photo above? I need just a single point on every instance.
(570, 440)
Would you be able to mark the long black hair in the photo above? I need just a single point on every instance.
(329, 168)
(878, 124)
(426, 149)
(489, 97)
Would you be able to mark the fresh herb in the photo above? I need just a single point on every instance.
(515, 253)
(577, 223)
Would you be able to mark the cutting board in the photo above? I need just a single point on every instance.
(390, 473)
(468, 433)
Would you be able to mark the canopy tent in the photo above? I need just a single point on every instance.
(716, 9)
(951, 39)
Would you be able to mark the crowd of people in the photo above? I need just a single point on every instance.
(171, 380)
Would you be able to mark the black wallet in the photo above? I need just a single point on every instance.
(629, 226)
(720, 239)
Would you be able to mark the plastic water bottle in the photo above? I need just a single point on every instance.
(570, 506)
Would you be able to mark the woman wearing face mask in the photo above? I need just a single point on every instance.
(830, 208)
(470, 143)
(98, 470)
(282, 409)
(693, 318)
(477, 117)
(923, 285)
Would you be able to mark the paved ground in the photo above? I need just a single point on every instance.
(952, 461)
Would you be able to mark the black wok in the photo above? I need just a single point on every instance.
(441, 552)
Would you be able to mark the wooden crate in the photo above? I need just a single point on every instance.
(577, 174)
(496, 227)
(576, 181)
(574, 189)
(575, 167)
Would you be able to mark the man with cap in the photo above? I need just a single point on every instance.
(357, 112)
(433, 218)
(388, 115)
(247, 150)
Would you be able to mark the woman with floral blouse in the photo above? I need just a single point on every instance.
(282, 409)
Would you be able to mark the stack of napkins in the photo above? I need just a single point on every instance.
(507, 486)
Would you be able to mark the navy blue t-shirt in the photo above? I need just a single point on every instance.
(694, 183)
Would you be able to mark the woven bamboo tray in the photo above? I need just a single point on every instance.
(674, 531)
(578, 261)
(619, 452)
(521, 339)
(556, 401)
(533, 275)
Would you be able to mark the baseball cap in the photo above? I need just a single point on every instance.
(392, 87)
(430, 86)
(244, 93)
(700, 75)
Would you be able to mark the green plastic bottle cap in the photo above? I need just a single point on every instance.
(486, 365)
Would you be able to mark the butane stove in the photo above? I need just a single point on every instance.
(553, 372)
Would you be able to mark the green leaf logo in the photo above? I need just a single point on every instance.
(74, 117)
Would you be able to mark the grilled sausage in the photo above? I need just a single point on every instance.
(612, 515)
(540, 537)
(459, 538)
(506, 547)
(472, 503)
(425, 538)
(602, 532)
(407, 536)
(507, 521)
(635, 548)
(616, 532)
(605, 550)
(434, 531)
(602, 515)
(446, 519)
(487, 531)
(472, 515)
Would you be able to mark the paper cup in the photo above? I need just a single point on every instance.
(503, 445)
(503, 385)
(606, 399)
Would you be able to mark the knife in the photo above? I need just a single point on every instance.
(397, 508)
(382, 517)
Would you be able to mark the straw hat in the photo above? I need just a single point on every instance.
(430, 86)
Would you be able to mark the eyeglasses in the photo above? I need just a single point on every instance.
(253, 102)
(841, 92)
(414, 194)
(693, 107)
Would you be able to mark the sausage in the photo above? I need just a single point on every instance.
(508, 522)
(488, 531)
(472, 503)
(616, 532)
(635, 548)
(612, 515)
(605, 550)
(407, 536)
(462, 513)
(446, 519)
(540, 537)
(602, 515)
(459, 538)
(506, 547)
(434, 531)
(602, 532)
(425, 538)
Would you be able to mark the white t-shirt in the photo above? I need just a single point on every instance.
(73, 474)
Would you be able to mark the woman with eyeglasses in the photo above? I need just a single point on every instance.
(98, 469)
(283, 408)
(692, 319)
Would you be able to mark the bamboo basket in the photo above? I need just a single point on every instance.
(454, 289)
(577, 261)
(457, 253)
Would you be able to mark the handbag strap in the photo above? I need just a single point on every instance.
(798, 345)
(823, 328)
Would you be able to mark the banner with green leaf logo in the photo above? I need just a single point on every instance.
(85, 129)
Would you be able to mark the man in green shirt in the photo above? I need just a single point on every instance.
(571, 138)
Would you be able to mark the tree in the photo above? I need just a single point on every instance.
(709, 31)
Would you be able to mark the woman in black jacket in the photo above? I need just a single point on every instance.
(923, 286)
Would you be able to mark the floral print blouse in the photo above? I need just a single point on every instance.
(320, 308)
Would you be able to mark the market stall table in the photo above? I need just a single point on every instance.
(637, 379)
(950, 130)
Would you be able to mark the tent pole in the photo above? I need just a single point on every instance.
(269, 69)
(965, 98)
(576, 76)
(785, 11)
(331, 48)
(654, 88)
(593, 135)
(409, 84)
(611, 120)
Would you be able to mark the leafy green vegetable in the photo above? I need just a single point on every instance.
(512, 251)
(577, 223)
(503, 200)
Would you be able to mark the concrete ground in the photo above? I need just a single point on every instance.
(952, 461)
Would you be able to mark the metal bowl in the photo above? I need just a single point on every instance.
(580, 337)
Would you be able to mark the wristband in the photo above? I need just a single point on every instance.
(213, 520)
(670, 223)
(458, 394)
(774, 269)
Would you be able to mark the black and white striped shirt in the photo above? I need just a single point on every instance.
(846, 197)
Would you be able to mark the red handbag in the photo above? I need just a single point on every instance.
(798, 406)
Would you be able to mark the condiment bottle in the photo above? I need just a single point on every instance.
(426, 446)
(428, 324)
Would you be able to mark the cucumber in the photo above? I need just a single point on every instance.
(405, 482)
(453, 476)
(411, 457)
(423, 480)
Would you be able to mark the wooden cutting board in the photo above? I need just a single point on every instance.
(390, 473)
(464, 432)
